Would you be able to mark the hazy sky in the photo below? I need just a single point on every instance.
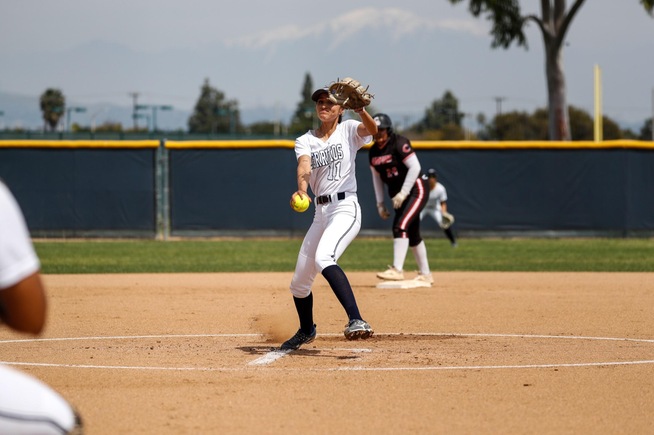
(152, 25)
(616, 34)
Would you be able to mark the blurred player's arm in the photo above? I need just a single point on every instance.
(22, 295)
(23, 305)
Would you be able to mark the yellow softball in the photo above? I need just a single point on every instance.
(300, 203)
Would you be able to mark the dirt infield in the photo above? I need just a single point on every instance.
(478, 353)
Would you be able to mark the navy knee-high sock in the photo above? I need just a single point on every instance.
(304, 307)
(342, 289)
(450, 235)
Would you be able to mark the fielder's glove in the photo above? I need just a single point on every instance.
(350, 94)
(447, 220)
(398, 200)
(381, 209)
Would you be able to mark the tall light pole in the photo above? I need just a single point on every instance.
(154, 109)
(72, 109)
(135, 97)
(147, 119)
(498, 105)
(154, 114)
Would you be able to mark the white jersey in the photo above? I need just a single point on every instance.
(27, 405)
(436, 196)
(17, 257)
(333, 166)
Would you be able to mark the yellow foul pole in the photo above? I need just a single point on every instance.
(598, 104)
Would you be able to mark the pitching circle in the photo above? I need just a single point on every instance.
(385, 352)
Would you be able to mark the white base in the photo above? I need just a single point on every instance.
(407, 283)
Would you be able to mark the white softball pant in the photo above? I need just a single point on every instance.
(28, 406)
(334, 227)
(432, 213)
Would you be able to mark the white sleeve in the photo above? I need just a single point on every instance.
(17, 257)
(302, 147)
(378, 184)
(413, 164)
(361, 140)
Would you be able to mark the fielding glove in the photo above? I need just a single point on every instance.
(349, 93)
(381, 209)
(447, 220)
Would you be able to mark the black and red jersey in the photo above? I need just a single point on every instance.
(389, 161)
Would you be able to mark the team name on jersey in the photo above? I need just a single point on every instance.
(327, 156)
(381, 160)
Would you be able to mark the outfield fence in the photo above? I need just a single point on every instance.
(168, 188)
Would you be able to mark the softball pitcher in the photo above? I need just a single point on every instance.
(326, 163)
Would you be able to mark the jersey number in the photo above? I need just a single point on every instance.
(334, 173)
(392, 172)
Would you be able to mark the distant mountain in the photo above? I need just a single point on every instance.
(24, 112)
(19, 111)
(408, 60)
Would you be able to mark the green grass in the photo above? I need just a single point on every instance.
(364, 254)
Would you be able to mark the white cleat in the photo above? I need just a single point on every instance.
(391, 274)
(425, 278)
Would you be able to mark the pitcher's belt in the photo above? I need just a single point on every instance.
(330, 198)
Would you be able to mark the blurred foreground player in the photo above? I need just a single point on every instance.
(27, 405)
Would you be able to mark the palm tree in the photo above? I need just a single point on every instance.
(53, 105)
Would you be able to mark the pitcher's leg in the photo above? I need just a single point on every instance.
(305, 273)
(341, 287)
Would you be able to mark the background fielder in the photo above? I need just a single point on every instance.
(437, 205)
